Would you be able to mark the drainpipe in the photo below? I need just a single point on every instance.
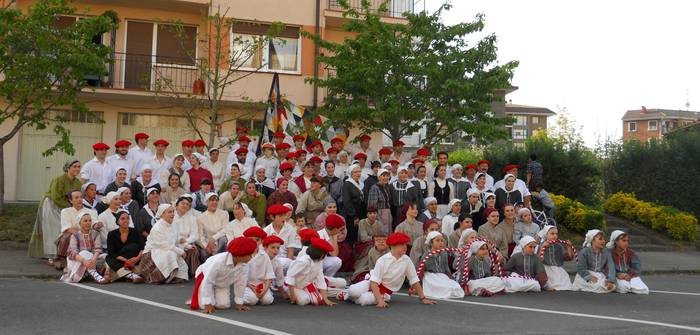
(316, 50)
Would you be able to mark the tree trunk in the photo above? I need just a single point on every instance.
(2, 177)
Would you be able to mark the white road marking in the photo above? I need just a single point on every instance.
(185, 311)
(583, 315)
(675, 292)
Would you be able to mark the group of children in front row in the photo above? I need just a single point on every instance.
(253, 267)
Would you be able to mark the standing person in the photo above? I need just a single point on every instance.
(596, 269)
(398, 152)
(507, 193)
(84, 253)
(461, 184)
(162, 261)
(197, 173)
(491, 231)
(334, 185)
(268, 161)
(177, 168)
(512, 169)
(47, 226)
(379, 197)
(216, 167)
(364, 148)
(535, 173)
(471, 205)
(121, 159)
(124, 250)
(305, 283)
(442, 190)
(628, 267)
(143, 183)
(421, 178)
(483, 166)
(97, 170)
(404, 191)
(160, 162)
(430, 212)
(354, 207)
(140, 153)
(144, 218)
(187, 147)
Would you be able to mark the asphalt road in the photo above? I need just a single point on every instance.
(50, 307)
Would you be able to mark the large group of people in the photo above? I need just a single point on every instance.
(291, 218)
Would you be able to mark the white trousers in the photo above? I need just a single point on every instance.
(634, 285)
(304, 297)
(331, 265)
(250, 298)
(362, 295)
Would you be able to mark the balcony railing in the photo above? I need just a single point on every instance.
(148, 73)
(394, 8)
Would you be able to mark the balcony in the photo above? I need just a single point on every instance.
(148, 73)
(394, 13)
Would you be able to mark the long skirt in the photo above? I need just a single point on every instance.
(385, 218)
(634, 285)
(440, 286)
(75, 270)
(557, 278)
(160, 266)
(192, 259)
(516, 283)
(47, 227)
(486, 286)
(581, 284)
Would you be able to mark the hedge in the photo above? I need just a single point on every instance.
(576, 216)
(674, 223)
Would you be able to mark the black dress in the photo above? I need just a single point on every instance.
(138, 192)
(354, 207)
(143, 222)
(115, 247)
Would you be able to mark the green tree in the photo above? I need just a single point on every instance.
(43, 68)
(399, 78)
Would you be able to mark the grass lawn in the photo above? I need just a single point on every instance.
(17, 222)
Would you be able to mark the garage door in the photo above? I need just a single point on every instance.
(174, 129)
(36, 171)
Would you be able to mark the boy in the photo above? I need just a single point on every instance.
(305, 282)
(332, 263)
(366, 262)
(369, 227)
(283, 230)
(261, 273)
(272, 245)
(388, 276)
(543, 197)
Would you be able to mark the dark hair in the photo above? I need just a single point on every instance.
(437, 168)
(372, 209)
(315, 179)
(459, 221)
(69, 194)
(325, 164)
(375, 164)
(306, 243)
(539, 184)
(180, 199)
(442, 153)
(298, 216)
(308, 164)
(315, 254)
(533, 157)
(206, 181)
(421, 167)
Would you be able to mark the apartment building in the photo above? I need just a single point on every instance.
(644, 124)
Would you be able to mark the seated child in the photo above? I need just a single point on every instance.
(555, 254)
(465, 222)
(272, 245)
(305, 283)
(260, 274)
(595, 272)
(628, 267)
(418, 246)
(365, 263)
(330, 233)
(482, 281)
(527, 270)
(437, 279)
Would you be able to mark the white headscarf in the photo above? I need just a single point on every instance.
(428, 200)
(613, 237)
(527, 239)
(543, 232)
(84, 212)
(209, 195)
(107, 199)
(506, 178)
(201, 158)
(161, 210)
(472, 191)
(122, 189)
(464, 236)
(589, 237)
(246, 209)
(452, 203)
(476, 245)
(523, 211)
(359, 184)
(431, 236)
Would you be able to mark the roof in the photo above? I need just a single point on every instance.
(525, 109)
(658, 113)
(689, 127)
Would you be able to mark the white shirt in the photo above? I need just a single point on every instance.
(519, 185)
(117, 161)
(260, 268)
(304, 271)
(271, 166)
(187, 227)
(236, 228)
(69, 217)
(139, 156)
(218, 171)
(392, 272)
(158, 165)
(220, 272)
(448, 224)
(288, 234)
(211, 225)
(97, 172)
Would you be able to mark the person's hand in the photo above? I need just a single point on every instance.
(292, 299)
(208, 309)
(241, 308)
(328, 303)
(98, 226)
(609, 286)
(210, 247)
(545, 244)
(382, 304)
(252, 286)
(426, 301)
(128, 264)
(621, 276)
(594, 279)
(410, 291)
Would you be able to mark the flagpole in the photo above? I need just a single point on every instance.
(275, 79)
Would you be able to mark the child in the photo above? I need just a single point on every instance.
(527, 271)
(272, 245)
(595, 272)
(305, 282)
(332, 263)
(437, 280)
(260, 274)
(449, 220)
(84, 254)
(366, 262)
(369, 227)
(482, 281)
(555, 254)
(525, 227)
(465, 222)
(388, 276)
(212, 288)
(543, 197)
(418, 246)
(283, 230)
(627, 265)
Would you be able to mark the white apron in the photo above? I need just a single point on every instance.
(557, 278)
(74, 271)
(167, 261)
(440, 286)
(50, 226)
(634, 285)
(581, 284)
(515, 283)
(486, 286)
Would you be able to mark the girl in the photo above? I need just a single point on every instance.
(627, 264)
(467, 236)
(555, 254)
(596, 271)
(442, 190)
(172, 191)
(449, 220)
(84, 253)
(162, 261)
(465, 222)
(482, 281)
(437, 280)
(124, 249)
(527, 271)
(411, 226)
(305, 282)
(524, 227)
(176, 168)
(491, 231)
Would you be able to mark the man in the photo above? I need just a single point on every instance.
(519, 183)
(282, 150)
(201, 147)
(159, 162)
(338, 143)
(97, 170)
(216, 167)
(484, 168)
(470, 173)
(121, 159)
(534, 172)
(364, 148)
(385, 154)
(140, 153)
(241, 157)
(316, 149)
(278, 137)
(299, 142)
(187, 151)
(443, 158)
(249, 159)
(399, 155)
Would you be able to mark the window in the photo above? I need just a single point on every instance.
(631, 126)
(653, 126)
(250, 49)
(535, 119)
(521, 120)
(519, 134)
(666, 126)
(77, 116)
(176, 46)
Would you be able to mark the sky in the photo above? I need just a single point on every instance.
(595, 58)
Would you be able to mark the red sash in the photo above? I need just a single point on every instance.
(194, 303)
(384, 290)
(300, 183)
(315, 295)
(259, 288)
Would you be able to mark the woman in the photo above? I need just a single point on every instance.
(333, 184)
(480, 185)
(354, 207)
(451, 220)
(106, 219)
(442, 190)
(421, 178)
(341, 167)
(172, 191)
(471, 205)
(162, 261)
(127, 202)
(371, 176)
(176, 168)
(235, 178)
(47, 224)
(69, 226)
(489, 202)
(144, 218)
(256, 202)
(239, 224)
(186, 222)
(197, 173)
(329, 208)
(211, 223)
(124, 249)
(461, 184)
(311, 202)
(379, 197)
(430, 212)
(84, 253)
(263, 184)
(142, 183)
(230, 198)
(120, 181)
(508, 225)
(282, 195)
(491, 231)
(89, 190)
(508, 194)
(410, 226)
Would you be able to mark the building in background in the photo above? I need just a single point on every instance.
(644, 124)
(529, 120)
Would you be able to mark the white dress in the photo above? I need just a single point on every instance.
(162, 243)
(557, 278)
(516, 283)
(581, 284)
(634, 285)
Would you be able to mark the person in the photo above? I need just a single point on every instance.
(489, 202)
(245, 161)
(280, 228)
(508, 225)
(303, 182)
(452, 217)
(187, 147)
(140, 153)
(331, 232)
(553, 258)
(370, 176)
(162, 261)
(491, 231)
(417, 247)
(480, 185)
(534, 173)
(482, 280)
(628, 267)
(379, 196)
(527, 270)
(121, 177)
(596, 269)
(268, 161)
(404, 191)
(387, 276)
(177, 168)
(410, 226)
(89, 190)
(507, 193)
(143, 183)
(430, 212)
(84, 253)
(421, 178)
(256, 202)
(367, 259)
(261, 272)
(188, 229)
(369, 227)
(483, 166)
(543, 197)
(354, 208)
(106, 221)
(460, 183)
(333, 184)
(263, 184)
(216, 167)
(272, 245)
(124, 250)
(466, 237)
(127, 201)
(470, 174)
(512, 169)
(465, 222)
(220, 273)
(239, 224)
(442, 190)
(144, 218)
(197, 173)
(121, 159)
(69, 226)
(282, 195)
(329, 208)
(437, 279)
(172, 190)
(211, 223)
(234, 178)
(364, 148)
(398, 152)
(305, 283)
(160, 161)
(525, 226)
(311, 203)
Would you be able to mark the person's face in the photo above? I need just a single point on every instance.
(235, 189)
(380, 243)
(343, 159)
(375, 169)
(433, 227)
(214, 155)
(442, 172)
(456, 208)
(438, 243)
(372, 216)
(315, 186)
(457, 173)
(193, 161)
(510, 182)
(260, 174)
(267, 153)
(212, 204)
(527, 217)
(493, 218)
(483, 251)
(421, 173)
(153, 197)
(76, 199)
(553, 234)
(74, 169)
(309, 169)
(474, 198)
(330, 169)
(466, 223)
(442, 159)
(187, 150)
(235, 172)
(123, 221)
(384, 178)
(122, 151)
(332, 208)
(509, 212)
(168, 215)
(471, 238)
(284, 186)
(491, 202)
(85, 222)
(356, 174)
(126, 195)
(142, 142)
(206, 188)
(250, 189)
(598, 241)
(287, 174)
(241, 157)
(481, 181)
(403, 176)
(364, 144)
(91, 192)
(183, 206)
(530, 249)
(300, 223)
(483, 167)
(239, 212)
(470, 173)
(174, 181)
(100, 154)
(623, 242)
(121, 176)
(302, 158)
(160, 149)
(337, 145)
(362, 162)
(272, 249)
(298, 144)
(179, 160)
(432, 207)
(147, 174)
(412, 211)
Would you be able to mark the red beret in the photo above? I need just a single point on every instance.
(471, 166)
(393, 162)
(398, 238)
(510, 167)
(241, 246)
(360, 155)
(279, 134)
(241, 151)
(282, 146)
(307, 234)
(488, 211)
(315, 143)
(423, 152)
(300, 152)
(139, 136)
(321, 244)
(418, 161)
(428, 223)
(242, 130)
(100, 146)
(316, 159)
(335, 221)
(385, 151)
(272, 239)
(187, 143)
(332, 149)
(483, 161)
(398, 143)
(161, 142)
(291, 155)
(200, 143)
(286, 166)
(298, 138)
(255, 232)
(277, 210)
(336, 140)
(365, 137)
(243, 138)
(122, 143)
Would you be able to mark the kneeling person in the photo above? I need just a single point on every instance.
(261, 273)
(305, 282)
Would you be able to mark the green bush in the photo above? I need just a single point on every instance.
(465, 156)
(576, 216)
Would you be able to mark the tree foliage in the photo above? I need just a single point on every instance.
(399, 78)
